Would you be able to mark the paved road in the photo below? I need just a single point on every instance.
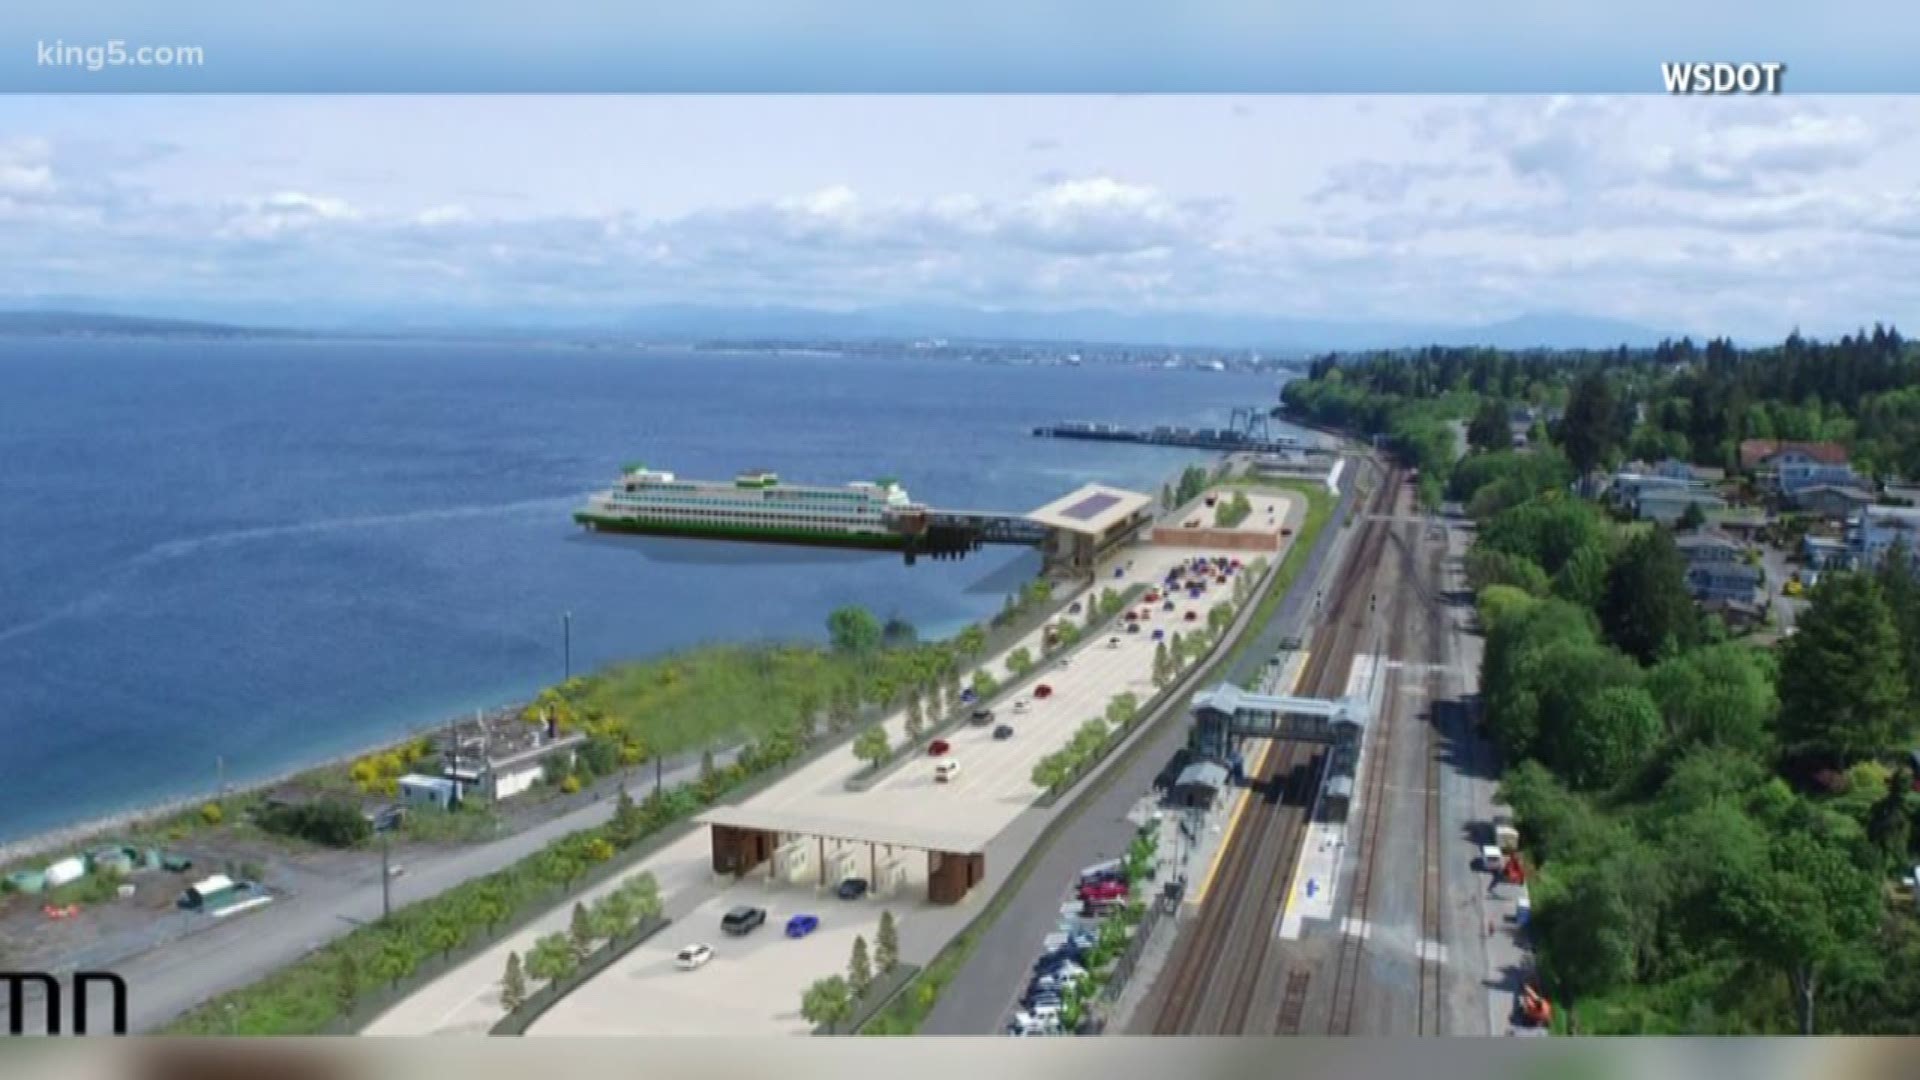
(168, 981)
(977, 1000)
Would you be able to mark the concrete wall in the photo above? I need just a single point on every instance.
(1219, 539)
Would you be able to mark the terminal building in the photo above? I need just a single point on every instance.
(1087, 525)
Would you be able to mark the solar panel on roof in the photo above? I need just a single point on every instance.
(1090, 507)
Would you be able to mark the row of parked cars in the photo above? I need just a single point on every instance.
(1101, 890)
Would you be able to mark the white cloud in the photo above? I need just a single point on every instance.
(1714, 219)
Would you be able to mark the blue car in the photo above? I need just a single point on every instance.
(801, 925)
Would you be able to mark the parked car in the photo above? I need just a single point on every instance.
(1168, 606)
(1133, 628)
(801, 925)
(743, 920)
(969, 695)
(1159, 635)
(1004, 731)
(693, 956)
(982, 716)
(1193, 616)
(1020, 706)
(1042, 692)
(946, 771)
(852, 889)
(1103, 890)
(938, 747)
(1113, 642)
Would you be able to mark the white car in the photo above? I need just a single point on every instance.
(693, 956)
(946, 771)
(1020, 705)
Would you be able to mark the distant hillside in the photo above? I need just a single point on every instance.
(93, 324)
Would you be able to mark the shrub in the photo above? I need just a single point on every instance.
(212, 814)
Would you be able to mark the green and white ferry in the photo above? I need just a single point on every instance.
(759, 506)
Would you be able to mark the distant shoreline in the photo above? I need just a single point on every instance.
(104, 827)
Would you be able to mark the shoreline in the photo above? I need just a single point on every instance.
(93, 830)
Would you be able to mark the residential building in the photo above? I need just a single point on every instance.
(1737, 614)
(1825, 553)
(1792, 466)
(1668, 505)
(1710, 546)
(1879, 529)
(501, 755)
(1838, 501)
(1730, 581)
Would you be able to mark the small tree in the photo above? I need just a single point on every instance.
(828, 1001)
(513, 986)
(916, 716)
(580, 933)
(871, 746)
(859, 968)
(886, 944)
(643, 891)
(552, 958)
(1020, 661)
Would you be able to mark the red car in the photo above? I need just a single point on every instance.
(1191, 617)
(1098, 891)
(938, 747)
(1043, 691)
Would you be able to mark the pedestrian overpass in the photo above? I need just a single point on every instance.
(1226, 716)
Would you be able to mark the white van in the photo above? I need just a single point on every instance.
(946, 770)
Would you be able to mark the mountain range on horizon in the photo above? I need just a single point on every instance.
(1280, 336)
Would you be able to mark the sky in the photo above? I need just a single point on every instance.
(1741, 216)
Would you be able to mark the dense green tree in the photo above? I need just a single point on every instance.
(871, 746)
(1599, 733)
(1595, 921)
(1900, 588)
(1547, 530)
(1842, 692)
(828, 1001)
(1488, 430)
(1522, 657)
(1583, 577)
(1722, 695)
(552, 958)
(1486, 567)
(854, 630)
(1807, 912)
(581, 932)
(1646, 610)
(1587, 429)
(1691, 518)
(1890, 822)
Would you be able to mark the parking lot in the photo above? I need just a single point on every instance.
(753, 984)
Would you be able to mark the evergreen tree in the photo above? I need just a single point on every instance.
(1900, 587)
(513, 987)
(1842, 691)
(1587, 428)
(580, 933)
(1645, 609)
(1488, 429)
(886, 944)
(859, 968)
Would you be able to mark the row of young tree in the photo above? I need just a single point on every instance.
(1714, 824)
(836, 999)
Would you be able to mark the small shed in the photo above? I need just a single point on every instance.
(210, 892)
(66, 871)
(437, 791)
(1198, 785)
(31, 882)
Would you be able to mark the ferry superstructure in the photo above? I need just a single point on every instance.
(758, 505)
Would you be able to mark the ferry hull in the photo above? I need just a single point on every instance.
(938, 542)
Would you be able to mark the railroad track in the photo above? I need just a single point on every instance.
(1432, 997)
(1377, 763)
(1217, 969)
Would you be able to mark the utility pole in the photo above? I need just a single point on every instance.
(566, 633)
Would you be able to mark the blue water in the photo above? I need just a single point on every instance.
(274, 552)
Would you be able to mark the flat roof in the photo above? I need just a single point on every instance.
(874, 826)
(1092, 509)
